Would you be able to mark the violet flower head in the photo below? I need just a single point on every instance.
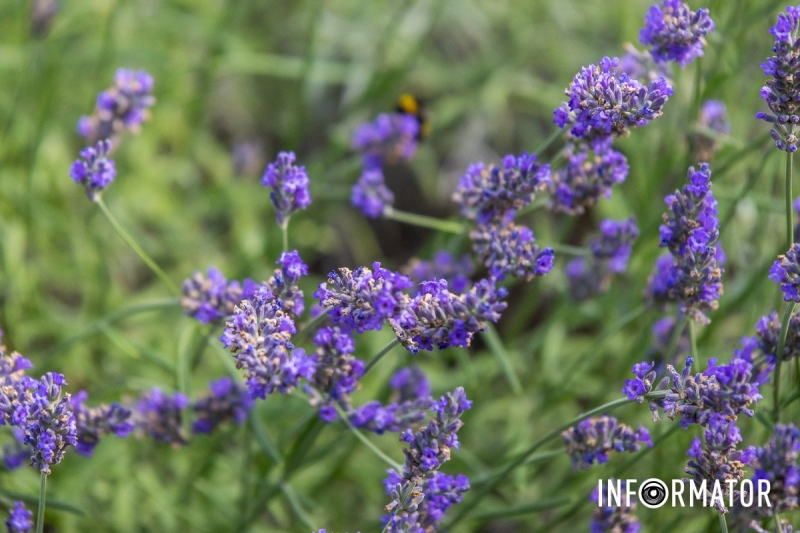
(782, 90)
(717, 459)
(714, 117)
(370, 193)
(493, 193)
(289, 186)
(438, 318)
(16, 453)
(777, 461)
(259, 335)
(389, 138)
(611, 519)
(122, 107)
(337, 371)
(594, 439)
(410, 383)
(410, 401)
(94, 169)
(785, 271)
(603, 100)
(675, 33)
(92, 423)
(227, 401)
(212, 298)
(20, 519)
(510, 250)
(767, 334)
(615, 242)
(592, 169)
(161, 416)
(283, 284)
(422, 506)
(363, 299)
(457, 272)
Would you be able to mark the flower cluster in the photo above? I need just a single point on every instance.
(782, 90)
(93, 422)
(211, 298)
(610, 253)
(785, 271)
(283, 284)
(122, 107)
(259, 335)
(717, 459)
(675, 33)
(690, 233)
(370, 193)
(363, 299)
(456, 272)
(511, 250)
(20, 519)
(777, 461)
(410, 401)
(595, 438)
(592, 169)
(438, 318)
(94, 169)
(289, 184)
(491, 194)
(390, 137)
(337, 371)
(428, 448)
(227, 401)
(603, 100)
(612, 518)
(161, 416)
(16, 453)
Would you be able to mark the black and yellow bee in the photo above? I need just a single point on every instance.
(411, 105)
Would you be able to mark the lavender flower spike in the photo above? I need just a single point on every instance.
(289, 184)
(370, 193)
(211, 298)
(612, 519)
(94, 170)
(603, 101)
(390, 137)
(283, 284)
(122, 107)
(595, 438)
(227, 400)
(457, 272)
(337, 371)
(20, 519)
(161, 416)
(782, 91)
(777, 461)
(50, 425)
(675, 33)
(785, 271)
(510, 250)
(94, 422)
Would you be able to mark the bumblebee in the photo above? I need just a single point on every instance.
(410, 105)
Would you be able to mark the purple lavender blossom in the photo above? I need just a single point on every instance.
(785, 271)
(122, 107)
(283, 284)
(714, 117)
(440, 493)
(410, 383)
(438, 318)
(675, 33)
(608, 519)
(717, 459)
(777, 462)
(161, 416)
(603, 101)
(20, 519)
(410, 401)
(337, 371)
(289, 184)
(510, 250)
(445, 266)
(390, 137)
(592, 169)
(95, 170)
(491, 194)
(363, 299)
(91, 423)
(595, 438)
(640, 65)
(782, 91)
(259, 335)
(16, 453)
(211, 298)
(227, 401)
(370, 193)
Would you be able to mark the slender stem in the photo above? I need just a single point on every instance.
(547, 142)
(379, 356)
(778, 526)
(136, 248)
(789, 212)
(42, 496)
(693, 339)
(497, 348)
(723, 524)
(423, 221)
(285, 234)
(365, 441)
(776, 402)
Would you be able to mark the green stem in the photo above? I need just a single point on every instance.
(778, 526)
(285, 235)
(723, 524)
(776, 403)
(497, 348)
(42, 497)
(379, 356)
(365, 441)
(136, 248)
(490, 486)
(693, 340)
(423, 221)
(789, 211)
(549, 141)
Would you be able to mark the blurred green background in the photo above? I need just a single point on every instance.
(301, 76)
